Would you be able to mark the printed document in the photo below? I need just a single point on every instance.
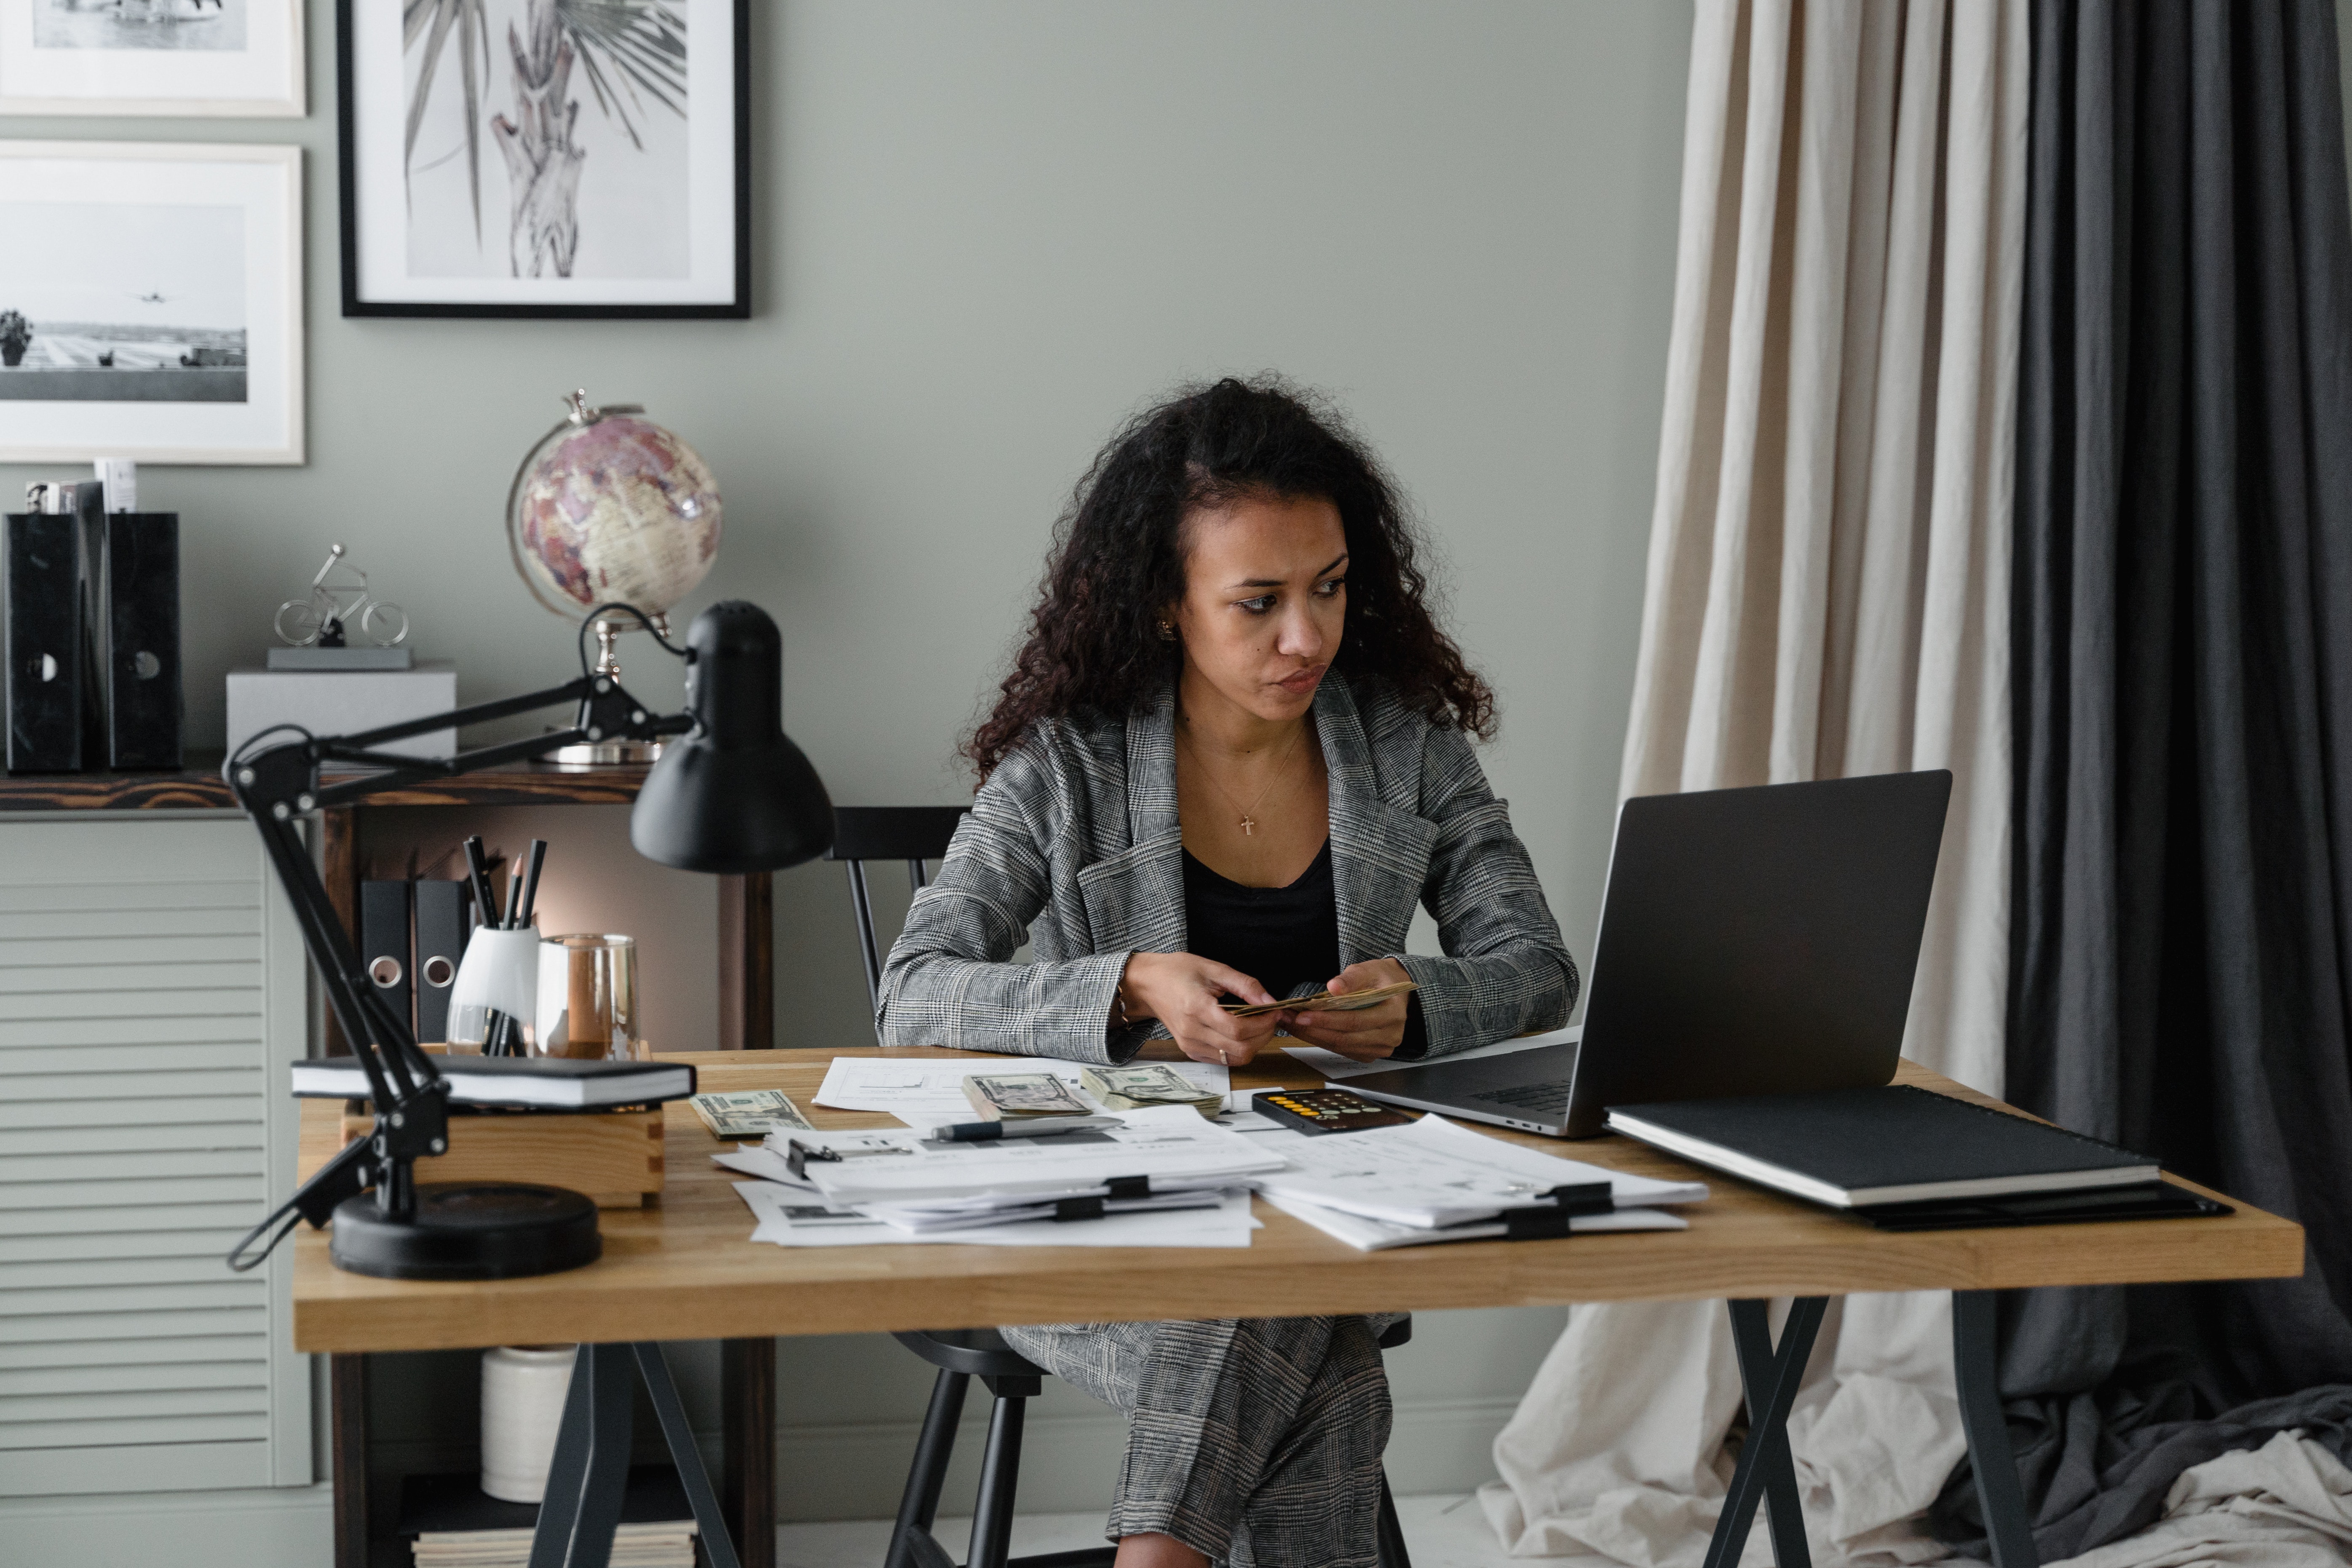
(1368, 1234)
(1168, 1142)
(927, 1093)
(789, 1218)
(1434, 1172)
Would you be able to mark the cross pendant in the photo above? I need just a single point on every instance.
(1248, 827)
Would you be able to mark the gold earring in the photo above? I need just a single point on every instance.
(1167, 631)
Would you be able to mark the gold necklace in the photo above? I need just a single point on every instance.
(1249, 824)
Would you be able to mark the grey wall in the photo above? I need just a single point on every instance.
(985, 233)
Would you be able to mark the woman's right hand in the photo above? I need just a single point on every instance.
(1185, 993)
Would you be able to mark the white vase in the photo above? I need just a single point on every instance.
(522, 1404)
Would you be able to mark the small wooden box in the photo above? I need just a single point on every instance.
(614, 1156)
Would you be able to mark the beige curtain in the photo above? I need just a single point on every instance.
(1828, 595)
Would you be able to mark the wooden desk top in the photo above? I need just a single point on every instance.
(688, 1270)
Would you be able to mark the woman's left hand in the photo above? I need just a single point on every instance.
(1365, 1036)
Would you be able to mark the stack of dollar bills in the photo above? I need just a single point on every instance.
(1012, 1096)
(1146, 1084)
(749, 1113)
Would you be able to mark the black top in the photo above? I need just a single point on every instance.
(1284, 938)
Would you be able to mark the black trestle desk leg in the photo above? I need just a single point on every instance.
(1976, 1365)
(1751, 1336)
(1000, 1465)
(589, 1470)
(718, 1547)
(1767, 1431)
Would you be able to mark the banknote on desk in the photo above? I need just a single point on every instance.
(997, 1096)
(1148, 1083)
(751, 1113)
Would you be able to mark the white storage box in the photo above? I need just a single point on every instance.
(346, 703)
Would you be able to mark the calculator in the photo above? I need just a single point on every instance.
(1318, 1111)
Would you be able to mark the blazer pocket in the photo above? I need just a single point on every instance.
(1379, 864)
(1135, 899)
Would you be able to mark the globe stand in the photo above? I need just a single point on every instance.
(606, 753)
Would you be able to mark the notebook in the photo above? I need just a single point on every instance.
(1859, 1147)
(546, 1083)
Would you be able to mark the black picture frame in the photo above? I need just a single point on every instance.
(738, 308)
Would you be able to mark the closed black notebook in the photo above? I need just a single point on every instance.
(1860, 1148)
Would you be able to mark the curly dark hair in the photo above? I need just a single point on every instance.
(1117, 563)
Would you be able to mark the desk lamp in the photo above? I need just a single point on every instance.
(734, 797)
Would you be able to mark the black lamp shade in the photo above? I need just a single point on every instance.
(734, 794)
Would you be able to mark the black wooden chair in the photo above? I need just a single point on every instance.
(916, 833)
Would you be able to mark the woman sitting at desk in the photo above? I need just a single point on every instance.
(1231, 756)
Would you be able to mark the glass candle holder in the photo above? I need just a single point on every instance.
(587, 996)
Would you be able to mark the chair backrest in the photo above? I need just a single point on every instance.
(910, 833)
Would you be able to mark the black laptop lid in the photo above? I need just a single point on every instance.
(1759, 940)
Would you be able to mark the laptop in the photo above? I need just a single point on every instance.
(1756, 941)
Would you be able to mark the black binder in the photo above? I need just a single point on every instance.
(384, 944)
(442, 927)
(44, 634)
(132, 564)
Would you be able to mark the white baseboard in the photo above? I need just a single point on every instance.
(257, 1528)
(1070, 1463)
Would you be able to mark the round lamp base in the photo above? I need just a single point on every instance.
(485, 1231)
(589, 754)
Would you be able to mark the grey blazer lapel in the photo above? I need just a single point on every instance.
(1135, 899)
(1380, 852)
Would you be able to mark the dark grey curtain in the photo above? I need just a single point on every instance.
(2182, 643)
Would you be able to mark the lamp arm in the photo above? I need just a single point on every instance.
(277, 784)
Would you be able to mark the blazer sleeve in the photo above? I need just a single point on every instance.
(1506, 971)
(950, 979)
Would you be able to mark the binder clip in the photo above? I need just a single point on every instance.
(1091, 1208)
(1567, 1203)
(797, 1155)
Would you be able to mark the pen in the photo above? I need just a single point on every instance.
(989, 1131)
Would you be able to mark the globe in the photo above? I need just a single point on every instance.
(610, 507)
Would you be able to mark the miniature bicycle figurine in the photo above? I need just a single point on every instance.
(321, 619)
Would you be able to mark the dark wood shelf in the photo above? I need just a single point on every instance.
(200, 788)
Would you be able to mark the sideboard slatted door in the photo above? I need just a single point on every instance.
(152, 989)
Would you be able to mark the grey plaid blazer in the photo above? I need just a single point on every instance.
(1073, 843)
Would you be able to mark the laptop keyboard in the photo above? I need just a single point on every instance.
(1529, 1096)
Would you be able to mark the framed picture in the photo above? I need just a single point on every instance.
(150, 306)
(530, 158)
(152, 57)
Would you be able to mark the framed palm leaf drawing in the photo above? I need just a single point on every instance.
(545, 158)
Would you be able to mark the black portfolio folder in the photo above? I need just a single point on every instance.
(384, 945)
(1862, 1148)
(44, 634)
(130, 565)
(442, 927)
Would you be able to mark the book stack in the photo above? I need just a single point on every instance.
(453, 1523)
(666, 1545)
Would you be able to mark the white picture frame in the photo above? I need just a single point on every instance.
(242, 59)
(158, 288)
